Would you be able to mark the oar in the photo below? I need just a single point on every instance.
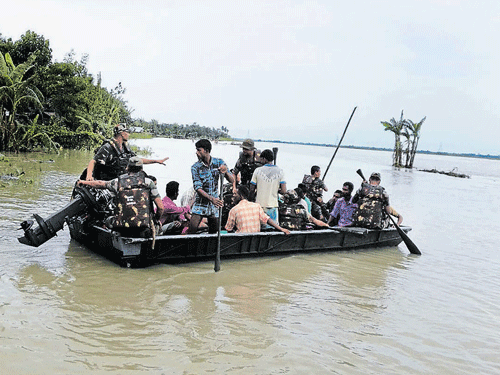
(335, 153)
(408, 242)
(217, 253)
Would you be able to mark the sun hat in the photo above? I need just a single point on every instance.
(248, 144)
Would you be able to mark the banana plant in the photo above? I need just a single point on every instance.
(15, 90)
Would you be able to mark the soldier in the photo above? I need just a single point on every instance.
(315, 188)
(134, 195)
(248, 161)
(111, 160)
(372, 200)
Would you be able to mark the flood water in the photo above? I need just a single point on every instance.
(66, 310)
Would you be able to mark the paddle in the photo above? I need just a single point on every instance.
(335, 153)
(217, 253)
(408, 242)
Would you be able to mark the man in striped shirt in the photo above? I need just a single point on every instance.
(246, 216)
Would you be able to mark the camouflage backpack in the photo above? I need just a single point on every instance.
(133, 205)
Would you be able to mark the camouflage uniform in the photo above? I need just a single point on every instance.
(372, 201)
(246, 165)
(110, 161)
(135, 194)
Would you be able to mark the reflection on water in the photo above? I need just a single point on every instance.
(66, 310)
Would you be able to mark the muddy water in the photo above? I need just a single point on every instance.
(66, 310)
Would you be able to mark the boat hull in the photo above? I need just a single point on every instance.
(141, 252)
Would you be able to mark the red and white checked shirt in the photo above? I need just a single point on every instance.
(246, 217)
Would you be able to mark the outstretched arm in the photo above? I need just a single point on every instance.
(153, 161)
(98, 184)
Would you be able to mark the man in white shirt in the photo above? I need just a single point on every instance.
(268, 180)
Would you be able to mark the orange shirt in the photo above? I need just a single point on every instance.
(246, 217)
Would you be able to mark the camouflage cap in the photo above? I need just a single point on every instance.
(248, 144)
(135, 161)
(375, 175)
(121, 127)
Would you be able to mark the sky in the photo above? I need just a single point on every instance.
(291, 70)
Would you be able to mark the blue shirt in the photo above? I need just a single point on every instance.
(206, 177)
(345, 210)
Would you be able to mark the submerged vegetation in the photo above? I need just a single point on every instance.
(408, 147)
(49, 105)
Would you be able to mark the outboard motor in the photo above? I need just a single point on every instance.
(83, 201)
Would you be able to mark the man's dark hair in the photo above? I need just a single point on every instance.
(172, 189)
(299, 192)
(244, 191)
(314, 169)
(267, 154)
(350, 185)
(134, 168)
(205, 144)
(303, 187)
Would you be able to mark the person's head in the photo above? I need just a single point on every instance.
(300, 192)
(267, 155)
(347, 189)
(172, 190)
(374, 178)
(153, 178)
(241, 193)
(134, 164)
(337, 194)
(248, 147)
(203, 148)
(315, 171)
(121, 130)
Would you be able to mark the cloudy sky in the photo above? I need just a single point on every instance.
(291, 70)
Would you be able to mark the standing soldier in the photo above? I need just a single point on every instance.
(111, 160)
(248, 160)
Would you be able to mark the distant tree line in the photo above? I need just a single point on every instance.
(52, 105)
(406, 148)
(184, 131)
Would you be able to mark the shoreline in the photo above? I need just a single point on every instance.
(465, 155)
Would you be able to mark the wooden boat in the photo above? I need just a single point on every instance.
(84, 213)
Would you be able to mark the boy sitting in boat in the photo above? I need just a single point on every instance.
(247, 216)
(174, 219)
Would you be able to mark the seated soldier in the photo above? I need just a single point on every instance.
(294, 214)
(246, 216)
(315, 187)
(134, 194)
(372, 200)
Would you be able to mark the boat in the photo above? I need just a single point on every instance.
(85, 215)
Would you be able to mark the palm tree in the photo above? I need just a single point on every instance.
(14, 90)
(415, 134)
(396, 127)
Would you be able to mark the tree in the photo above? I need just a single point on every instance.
(14, 90)
(415, 137)
(396, 127)
(411, 132)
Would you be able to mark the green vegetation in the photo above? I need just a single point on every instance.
(193, 131)
(46, 105)
(411, 132)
